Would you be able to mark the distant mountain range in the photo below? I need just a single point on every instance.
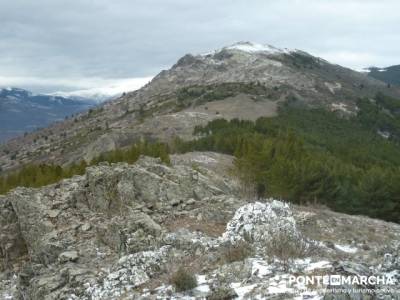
(109, 90)
(22, 111)
(390, 75)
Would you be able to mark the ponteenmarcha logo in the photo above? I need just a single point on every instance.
(337, 280)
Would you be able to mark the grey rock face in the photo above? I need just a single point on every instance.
(148, 183)
(87, 218)
(12, 244)
(120, 231)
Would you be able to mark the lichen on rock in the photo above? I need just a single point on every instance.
(120, 230)
(259, 222)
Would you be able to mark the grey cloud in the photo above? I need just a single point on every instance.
(137, 38)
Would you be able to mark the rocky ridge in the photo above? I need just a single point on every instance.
(240, 81)
(120, 231)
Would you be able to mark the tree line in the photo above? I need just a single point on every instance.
(310, 156)
(37, 175)
(302, 156)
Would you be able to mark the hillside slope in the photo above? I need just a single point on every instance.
(122, 231)
(243, 80)
(390, 75)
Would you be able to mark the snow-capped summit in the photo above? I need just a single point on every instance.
(12, 92)
(251, 47)
(254, 47)
(23, 111)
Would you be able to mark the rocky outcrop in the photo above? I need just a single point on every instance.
(258, 222)
(120, 231)
(147, 185)
(12, 243)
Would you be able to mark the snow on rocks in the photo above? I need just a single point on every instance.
(346, 248)
(242, 290)
(130, 271)
(274, 287)
(185, 239)
(8, 287)
(261, 268)
(170, 233)
(340, 107)
(258, 222)
(254, 47)
(204, 159)
(203, 287)
(333, 87)
(250, 48)
(391, 261)
(323, 264)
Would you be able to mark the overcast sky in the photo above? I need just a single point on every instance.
(49, 45)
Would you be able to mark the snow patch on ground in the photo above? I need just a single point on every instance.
(204, 159)
(323, 264)
(8, 288)
(340, 107)
(261, 268)
(384, 134)
(254, 47)
(250, 47)
(202, 282)
(346, 248)
(333, 87)
(191, 114)
(242, 290)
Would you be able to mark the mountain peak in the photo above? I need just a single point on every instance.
(251, 47)
(12, 90)
(254, 47)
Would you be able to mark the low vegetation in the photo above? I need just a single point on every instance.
(238, 252)
(43, 174)
(200, 94)
(303, 156)
(314, 156)
(222, 293)
(382, 114)
(183, 280)
(390, 75)
(286, 247)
